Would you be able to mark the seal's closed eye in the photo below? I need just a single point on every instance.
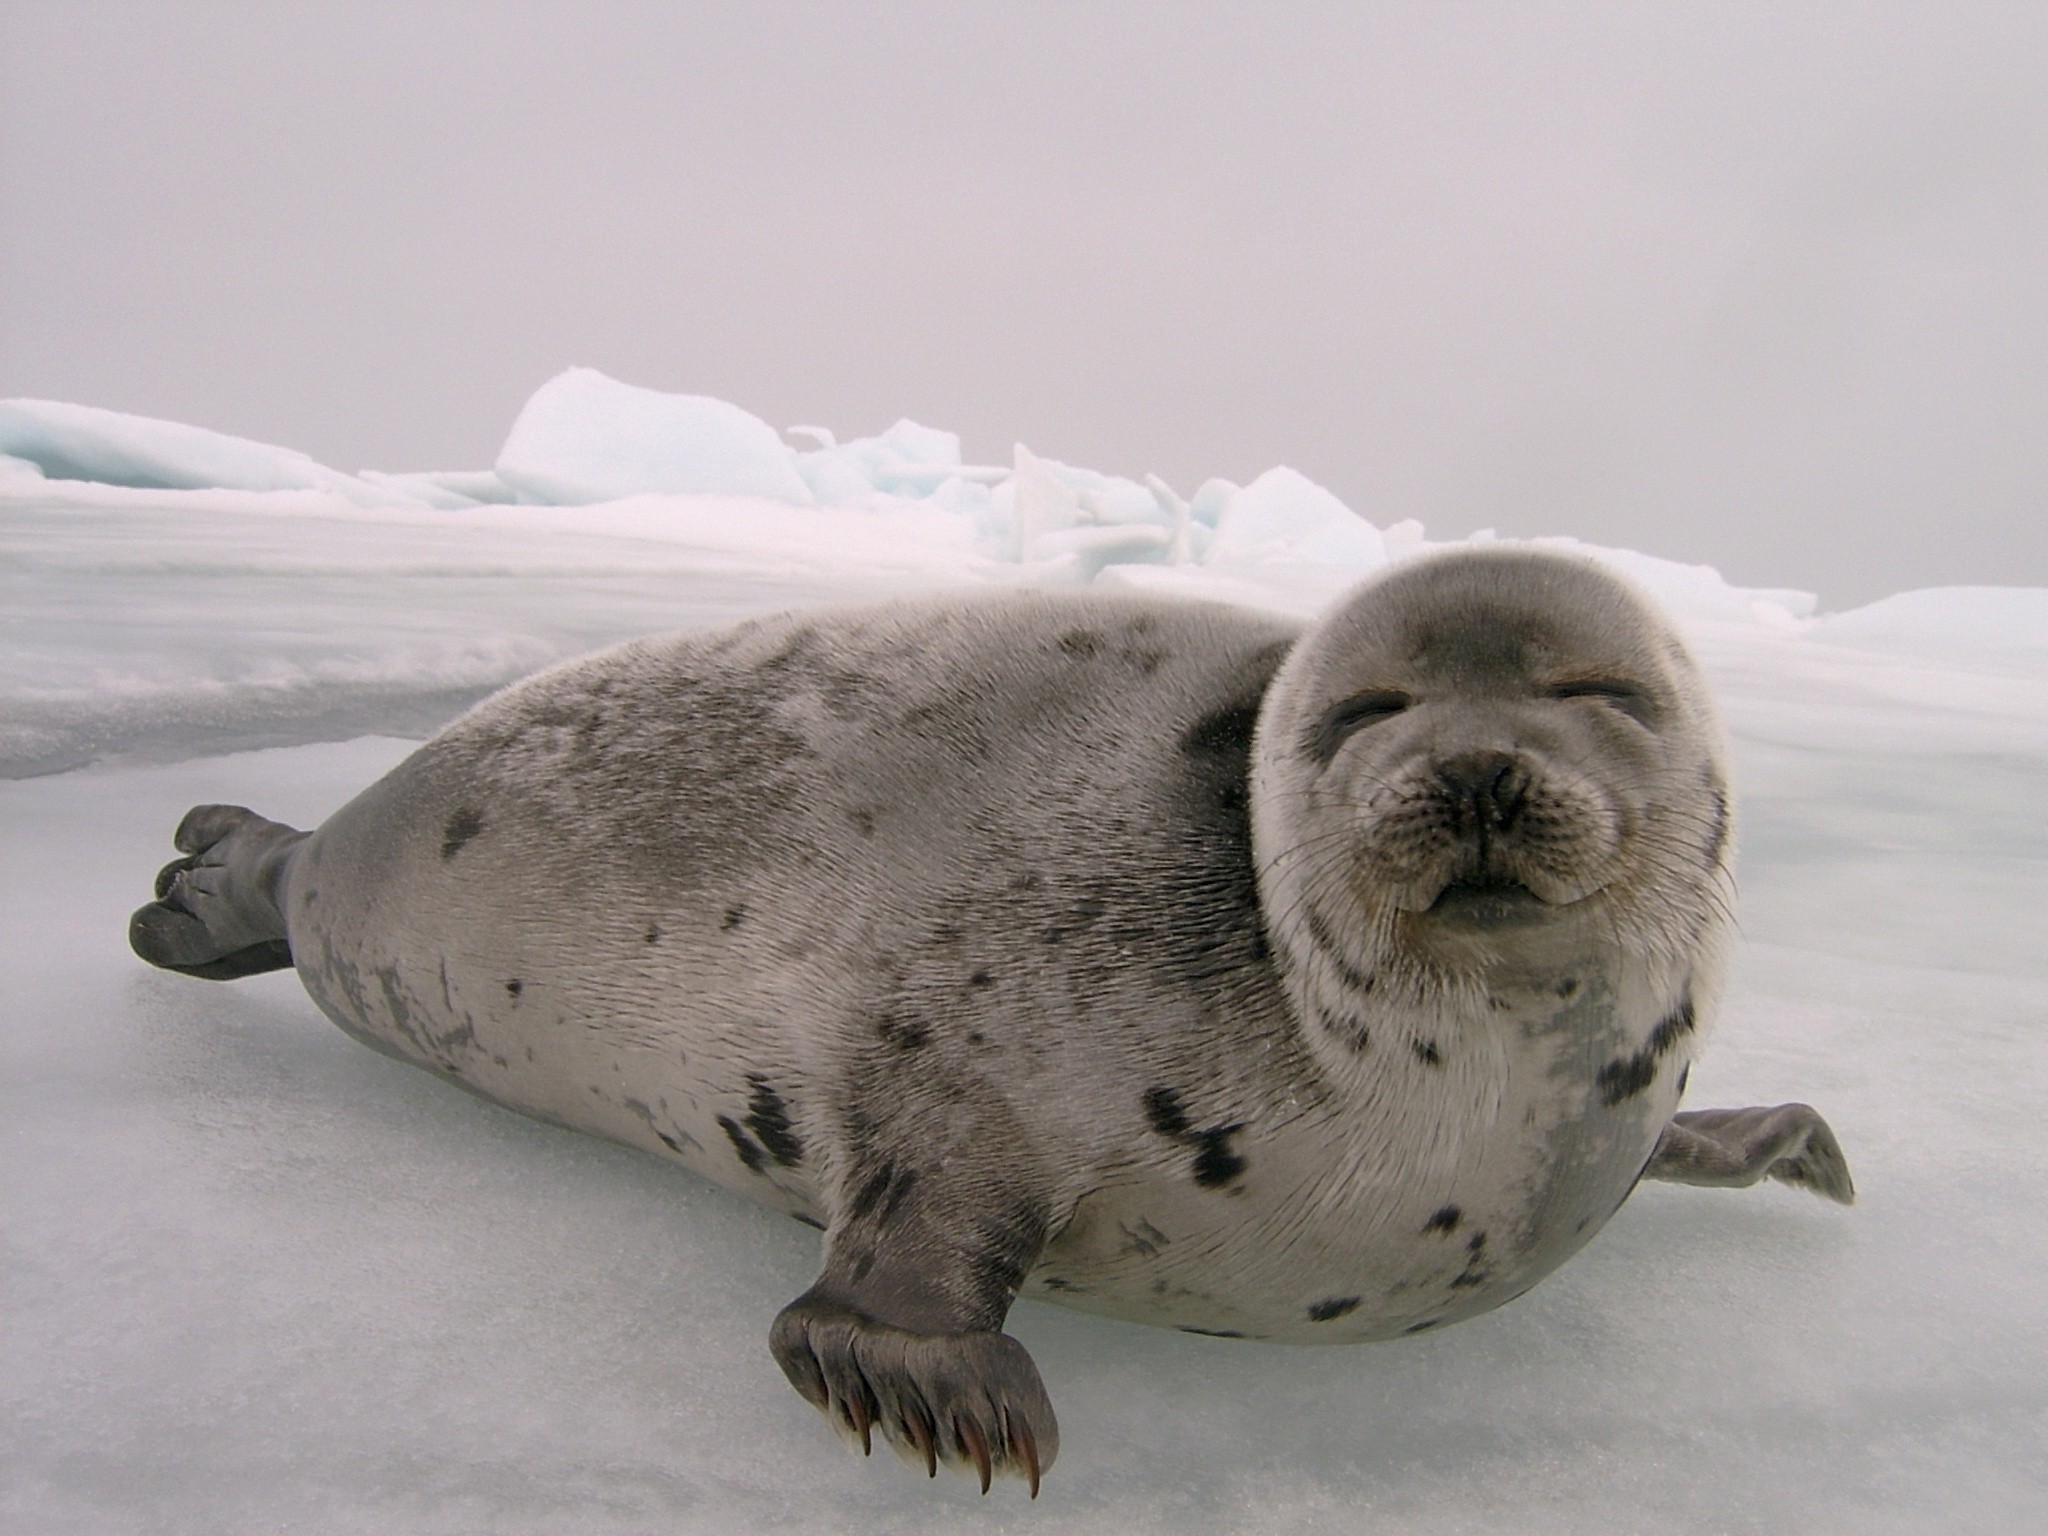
(1631, 700)
(1342, 720)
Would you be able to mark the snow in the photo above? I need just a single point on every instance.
(258, 1277)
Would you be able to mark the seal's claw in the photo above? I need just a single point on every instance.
(982, 1387)
(920, 1434)
(976, 1447)
(1019, 1434)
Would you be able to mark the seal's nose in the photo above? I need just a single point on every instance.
(1485, 789)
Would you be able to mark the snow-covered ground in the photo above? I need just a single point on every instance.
(259, 1278)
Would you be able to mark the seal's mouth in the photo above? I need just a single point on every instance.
(1490, 901)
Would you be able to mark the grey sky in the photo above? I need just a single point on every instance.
(1764, 285)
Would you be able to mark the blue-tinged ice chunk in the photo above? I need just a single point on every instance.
(83, 442)
(834, 475)
(907, 460)
(586, 438)
(916, 444)
(1210, 498)
(1283, 517)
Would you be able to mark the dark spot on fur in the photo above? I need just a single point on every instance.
(734, 916)
(1326, 942)
(1446, 1219)
(462, 826)
(1056, 1283)
(981, 979)
(742, 1144)
(881, 1194)
(1469, 1278)
(1427, 1053)
(1422, 1326)
(1626, 1076)
(1227, 730)
(1332, 1309)
(1216, 1164)
(1684, 1075)
(1350, 1032)
(652, 935)
(1477, 1242)
(1568, 987)
(768, 1117)
(515, 986)
(672, 1144)
(810, 1221)
(1028, 881)
(1163, 1111)
(894, 1199)
(904, 1034)
(1211, 1333)
(863, 822)
(1081, 643)
(871, 1191)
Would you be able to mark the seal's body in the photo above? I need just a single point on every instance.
(1161, 959)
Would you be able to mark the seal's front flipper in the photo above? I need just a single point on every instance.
(1730, 1148)
(219, 912)
(902, 1332)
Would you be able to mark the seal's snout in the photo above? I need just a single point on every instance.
(1484, 792)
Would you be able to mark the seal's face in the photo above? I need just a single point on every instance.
(1492, 752)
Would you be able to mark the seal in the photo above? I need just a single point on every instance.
(1152, 957)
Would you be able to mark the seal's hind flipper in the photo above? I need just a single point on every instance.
(219, 912)
(1730, 1148)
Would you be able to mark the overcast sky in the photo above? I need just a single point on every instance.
(1764, 285)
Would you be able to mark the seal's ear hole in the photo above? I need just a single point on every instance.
(1630, 698)
(1342, 720)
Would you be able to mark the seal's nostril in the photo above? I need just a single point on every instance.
(1477, 776)
(1484, 789)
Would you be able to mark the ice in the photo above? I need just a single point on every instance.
(82, 442)
(1285, 517)
(258, 1277)
(586, 438)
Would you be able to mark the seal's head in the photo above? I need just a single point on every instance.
(1498, 755)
